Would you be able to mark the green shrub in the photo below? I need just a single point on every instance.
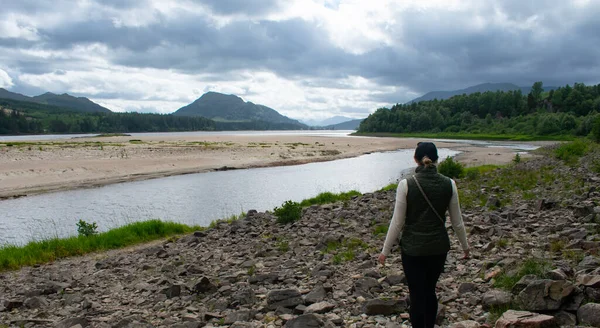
(596, 129)
(450, 168)
(517, 159)
(288, 212)
(329, 198)
(535, 267)
(87, 229)
(571, 152)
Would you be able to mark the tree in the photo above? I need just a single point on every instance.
(536, 91)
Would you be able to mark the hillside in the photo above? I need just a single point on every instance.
(476, 88)
(230, 108)
(66, 101)
(348, 125)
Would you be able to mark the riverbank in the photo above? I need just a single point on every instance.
(28, 168)
(538, 217)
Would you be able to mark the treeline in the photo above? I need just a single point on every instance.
(17, 117)
(564, 111)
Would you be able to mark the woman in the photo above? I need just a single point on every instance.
(419, 222)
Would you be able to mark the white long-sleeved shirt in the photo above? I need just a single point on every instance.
(399, 218)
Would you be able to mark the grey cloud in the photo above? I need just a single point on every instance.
(254, 7)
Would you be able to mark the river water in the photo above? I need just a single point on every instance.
(195, 198)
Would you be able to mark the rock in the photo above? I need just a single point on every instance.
(588, 281)
(589, 314)
(557, 274)
(35, 302)
(514, 319)
(493, 201)
(384, 307)
(317, 294)
(545, 295)
(287, 298)
(172, 291)
(523, 282)
(588, 263)
(496, 298)
(321, 307)
(467, 287)
(245, 315)
(395, 279)
(9, 305)
(305, 321)
(203, 286)
(69, 323)
(366, 286)
(244, 296)
(564, 318)
(466, 324)
(593, 294)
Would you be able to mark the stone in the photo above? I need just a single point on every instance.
(592, 281)
(588, 263)
(467, 287)
(589, 314)
(10, 305)
(203, 286)
(365, 286)
(395, 279)
(321, 307)
(493, 201)
(317, 294)
(287, 298)
(516, 319)
(244, 315)
(523, 282)
(244, 296)
(384, 307)
(69, 323)
(172, 291)
(466, 324)
(545, 295)
(564, 318)
(495, 298)
(305, 321)
(35, 302)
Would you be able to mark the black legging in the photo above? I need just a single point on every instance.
(422, 274)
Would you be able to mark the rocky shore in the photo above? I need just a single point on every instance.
(322, 271)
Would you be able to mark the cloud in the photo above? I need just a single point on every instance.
(5, 80)
(305, 58)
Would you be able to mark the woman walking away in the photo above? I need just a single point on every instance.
(419, 222)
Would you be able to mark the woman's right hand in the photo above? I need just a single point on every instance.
(467, 253)
(381, 259)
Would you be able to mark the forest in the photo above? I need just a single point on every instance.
(566, 111)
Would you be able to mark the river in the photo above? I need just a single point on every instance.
(195, 198)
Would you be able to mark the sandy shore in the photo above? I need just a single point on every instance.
(44, 166)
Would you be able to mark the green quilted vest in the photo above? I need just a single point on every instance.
(424, 233)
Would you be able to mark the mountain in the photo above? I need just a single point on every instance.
(476, 88)
(5, 94)
(348, 125)
(79, 104)
(330, 121)
(230, 108)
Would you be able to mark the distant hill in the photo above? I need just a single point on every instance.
(348, 125)
(330, 121)
(476, 88)
(79, 104)
(230, 108)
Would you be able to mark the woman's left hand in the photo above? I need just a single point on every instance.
(381, 259)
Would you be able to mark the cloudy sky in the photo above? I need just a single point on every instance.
(308, 59)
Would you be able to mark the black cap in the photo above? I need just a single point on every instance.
(426, 149)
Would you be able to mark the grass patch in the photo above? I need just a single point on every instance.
(104, 135)
(571, 152)
(344, 251)
(329, 197)
(390, 187)
(381, 230)
(535, 267)
(213, 224)
(38, 252)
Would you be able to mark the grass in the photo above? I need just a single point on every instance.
(532, 266)
(213, 224)
(329, 197)
(470, 136)
(390, 187)
(38, 252)
(571, 152)
(344, 251)
(381, 230)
